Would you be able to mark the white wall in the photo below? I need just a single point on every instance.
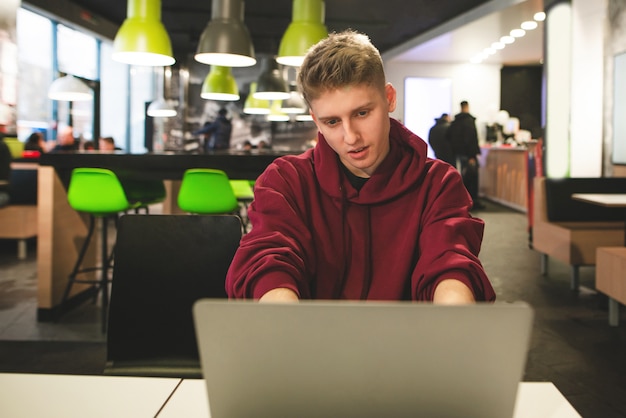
(587, 87)
(478, 84)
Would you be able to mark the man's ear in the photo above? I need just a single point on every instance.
(390, 93)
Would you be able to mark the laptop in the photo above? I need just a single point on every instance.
(361, 359)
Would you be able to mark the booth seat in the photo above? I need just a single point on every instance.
(570, 231)
(18, 219)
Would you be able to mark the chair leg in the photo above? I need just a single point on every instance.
(575, 280)
(79, 261)
(544, 264)
(613, 312)
(104, 280)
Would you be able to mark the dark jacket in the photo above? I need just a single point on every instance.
(439, 141)
(220, 131)
(463, 135)
(396, 238)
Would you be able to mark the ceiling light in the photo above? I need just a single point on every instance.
(540, 16)
(529, 25)
(304, 117)
(305, 30)
(225, 40)
(271, 85)
(518, 33)
(69, 88)
(497, 45)
(507, 39)
(489, 51)
(161, 108)
(253, 106)
(142, 38)
(295, 103)
(220, 85)
(276, 114)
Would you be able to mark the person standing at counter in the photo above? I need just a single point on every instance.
(217, 133)
(365, 214)
(464, 138)
(439, 141)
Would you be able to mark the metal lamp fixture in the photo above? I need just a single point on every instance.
(254, 106)
(305, 30)
(220, 84)
(295, 103)
(271, 85)
(276, 113)
(69, 88)
(226, 40)
(161, 107)
(142, 38)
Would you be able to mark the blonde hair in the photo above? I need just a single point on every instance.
(342, 59)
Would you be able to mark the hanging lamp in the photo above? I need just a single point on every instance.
(271, 85)
(69, 88)
(305, 30)
(225, 39)
(161, 107)
(295, 103)
(276, 114)
(142, 38)
(254, 106)
(220, 85)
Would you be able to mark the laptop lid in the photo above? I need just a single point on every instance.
(361, 359)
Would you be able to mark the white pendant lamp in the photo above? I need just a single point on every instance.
(226, 41)
(161, 107)
(142, 38)
(69, 88)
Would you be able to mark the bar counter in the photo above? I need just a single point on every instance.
(62, 230)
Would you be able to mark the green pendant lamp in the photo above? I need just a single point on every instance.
(254, 106)
(220, 85)
(305, 30)
(276, 113)
(226, 40)
(142, 38)
(69, 88)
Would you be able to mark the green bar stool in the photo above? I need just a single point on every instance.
(245, 195)
(99, 193)
(207, 191)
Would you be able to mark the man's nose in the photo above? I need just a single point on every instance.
(350, 134)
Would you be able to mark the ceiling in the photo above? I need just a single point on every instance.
(395, 27)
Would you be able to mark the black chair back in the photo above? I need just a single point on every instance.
(163, 264)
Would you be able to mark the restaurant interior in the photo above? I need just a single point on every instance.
(547, 107)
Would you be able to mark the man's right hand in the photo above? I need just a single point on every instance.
(281, 294)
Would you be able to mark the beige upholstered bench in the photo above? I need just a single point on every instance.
(611, 278)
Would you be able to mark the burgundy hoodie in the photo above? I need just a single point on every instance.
(407, 229)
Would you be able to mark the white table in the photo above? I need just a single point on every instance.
(46, 395)
(614, 200)
(39, 395)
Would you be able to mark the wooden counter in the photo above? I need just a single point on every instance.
(503, 176)
(61, 230)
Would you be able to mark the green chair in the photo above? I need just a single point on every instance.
(245, 195)
(99, 193)
(206, 191)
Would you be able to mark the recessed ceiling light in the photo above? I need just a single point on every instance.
(497, 45)
(518, 33)
(529, 25)
(540, 16)
(507, 39)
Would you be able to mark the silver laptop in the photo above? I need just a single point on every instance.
(361, 359)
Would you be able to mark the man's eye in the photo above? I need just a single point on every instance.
(332, 122)
(362, 113)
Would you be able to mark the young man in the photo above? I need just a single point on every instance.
(365, 214)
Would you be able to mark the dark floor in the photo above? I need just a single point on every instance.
(572, 344)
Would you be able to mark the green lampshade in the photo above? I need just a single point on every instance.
(220, 84)
(142, 38)
(276, 114)
(254, 106)
(226, 40)
(305, 30)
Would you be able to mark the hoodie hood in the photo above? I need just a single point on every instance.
(391, 179)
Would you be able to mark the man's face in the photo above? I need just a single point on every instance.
(355, 122)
